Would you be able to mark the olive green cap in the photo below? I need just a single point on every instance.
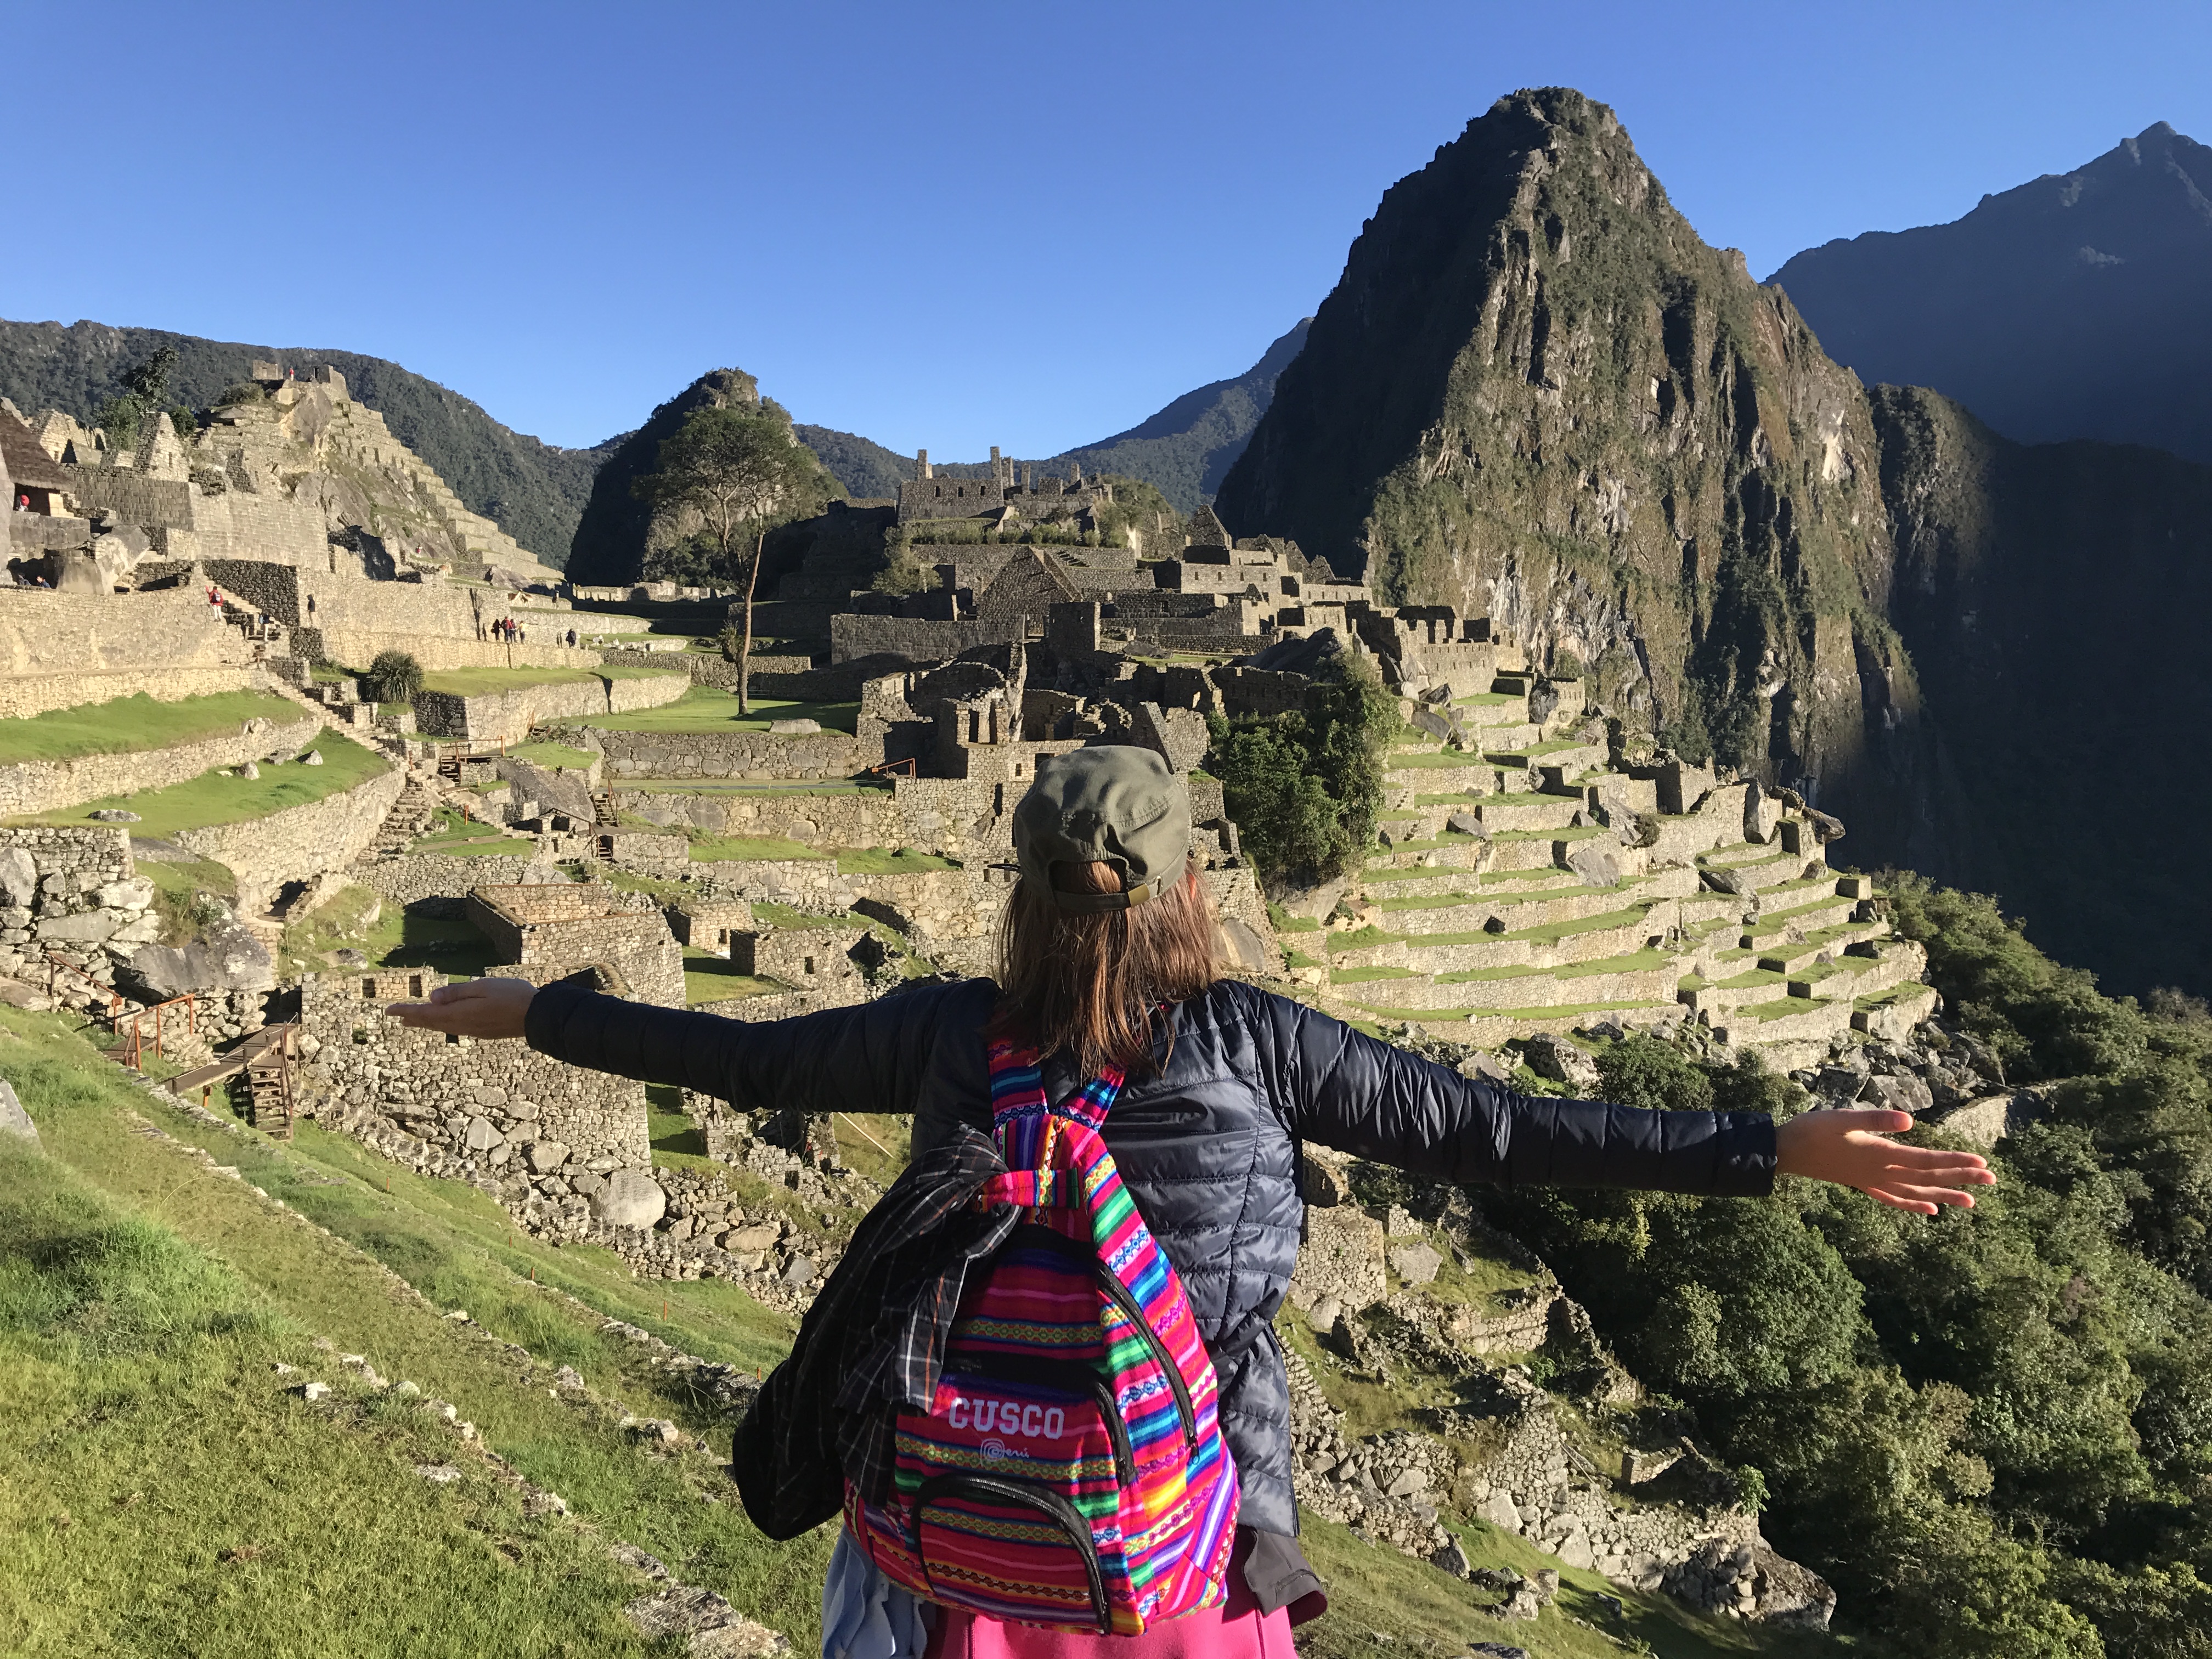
(1112, 804)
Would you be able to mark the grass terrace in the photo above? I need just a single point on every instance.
(213, 798)
(711, 978)
(126, 725)
(708, 708)
(734, 850)
(553, 756)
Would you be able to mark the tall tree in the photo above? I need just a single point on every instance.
(735, 471)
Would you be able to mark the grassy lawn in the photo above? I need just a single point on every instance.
(888, 861)
(707, 708)
(553, 756)
(396, 939)
(131, 725)
(717, 849)
(711, 978)
(212, 799)
(475, 682)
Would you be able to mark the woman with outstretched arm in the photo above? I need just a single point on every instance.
(1107, 960)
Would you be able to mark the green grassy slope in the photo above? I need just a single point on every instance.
(213, 798)
(129, 725)
(181, 1502)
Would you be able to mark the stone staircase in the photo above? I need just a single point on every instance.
(1526, 879)
(410, 817)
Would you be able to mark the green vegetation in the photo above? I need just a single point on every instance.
(726, 476)
(213, 798)
(145, 396)
(393, 937)
(888, 861)
(2017, 1398)
(708, 708)
(1306, 788)
(181, 1503)
(134, 724)
(711, 978)
(553, 756)
(394, 677)
(714, 849)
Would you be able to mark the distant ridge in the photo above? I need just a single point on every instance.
(1184, 450)
(534, 491)
(2071, 307)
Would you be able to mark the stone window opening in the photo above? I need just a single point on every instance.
(810, 965)
(368, 990)
(415, 986)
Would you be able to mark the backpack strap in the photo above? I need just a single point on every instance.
(1026, 1123)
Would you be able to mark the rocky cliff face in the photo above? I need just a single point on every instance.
(1536, 394)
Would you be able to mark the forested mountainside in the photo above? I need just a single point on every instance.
(2071, 307)
(2051, 598)
(1184, 450)
(1536, 394)
(534, 491)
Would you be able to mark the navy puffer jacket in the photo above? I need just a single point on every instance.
(1207, 1145)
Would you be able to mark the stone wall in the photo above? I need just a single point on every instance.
(564, 926)
(22, 697)
(825, 755)
(82, 634)
(300, 843)
(507, 716)
(135, 498)
(432, 883)
(718, 671)
(73, 893)
(484, 1103)
(914, 640)
(440, 625)
(241, 525)
(42, 785)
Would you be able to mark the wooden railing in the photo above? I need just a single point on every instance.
(133, 1044)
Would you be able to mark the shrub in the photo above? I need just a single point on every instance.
(394, 677)
(1305, 789)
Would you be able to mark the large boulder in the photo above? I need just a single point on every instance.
(629, 1198)
(1555, 1057)
(19, 877)
(225, 958)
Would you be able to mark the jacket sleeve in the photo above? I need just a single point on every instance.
(867, 1058)
(1348, 1091)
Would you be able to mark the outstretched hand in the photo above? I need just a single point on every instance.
(470, 1008)
(1851, 1147)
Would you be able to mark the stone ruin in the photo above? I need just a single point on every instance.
(1543, 875)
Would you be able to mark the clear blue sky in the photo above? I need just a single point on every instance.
(951, 225)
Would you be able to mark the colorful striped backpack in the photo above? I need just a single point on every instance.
(1070, 1472)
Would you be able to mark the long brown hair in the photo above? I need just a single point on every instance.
(1092, 984)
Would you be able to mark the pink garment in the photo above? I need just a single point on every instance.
(1239, 1631)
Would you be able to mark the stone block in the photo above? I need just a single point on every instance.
(13, 1120)
(1416, 1263)
(628, 1198)
(543, 1157)
(1342, 1258)
(1897, 1094)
